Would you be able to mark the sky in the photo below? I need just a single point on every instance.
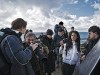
(45, 14)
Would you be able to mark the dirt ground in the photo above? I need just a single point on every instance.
(58, 71)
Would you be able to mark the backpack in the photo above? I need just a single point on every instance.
(56, 28)
(4, 65)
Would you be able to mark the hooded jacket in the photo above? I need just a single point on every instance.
(15, 53)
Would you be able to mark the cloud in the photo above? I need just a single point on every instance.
(71, 1)
(86, 1)
(44, 14)
(96, 6)
(95, 20)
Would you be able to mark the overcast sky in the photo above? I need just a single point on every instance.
(44, 14)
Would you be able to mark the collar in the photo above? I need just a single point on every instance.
(18, 33)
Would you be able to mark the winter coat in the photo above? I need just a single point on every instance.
(37, 56)
(89, 45)
(57, 40)
(14, 51)
(50, 64)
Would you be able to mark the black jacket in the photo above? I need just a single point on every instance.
(50, 64)
(37, 56)
(89, 47)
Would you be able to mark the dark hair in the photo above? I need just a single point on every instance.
(18, 23)
(61, 23)
(72, 27)
(30, 30)
(49, 32)
(94, 29)
(77, 40)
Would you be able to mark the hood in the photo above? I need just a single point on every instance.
(10, 32)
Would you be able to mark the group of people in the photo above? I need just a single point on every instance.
(41, 57)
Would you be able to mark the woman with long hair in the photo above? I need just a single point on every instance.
(70, 49)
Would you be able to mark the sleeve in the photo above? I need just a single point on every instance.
(60, 50)
(43, 40)
(14, 50)
(39, 52)
(79, 58)
(56, 28)
(54, 39)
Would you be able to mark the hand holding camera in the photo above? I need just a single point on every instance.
(34, 45)
(61, 43)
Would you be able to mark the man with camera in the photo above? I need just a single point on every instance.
(37, 55)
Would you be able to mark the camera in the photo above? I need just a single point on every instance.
(39, 51)
(65, 40)
(39, 43)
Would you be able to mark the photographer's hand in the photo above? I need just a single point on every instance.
(61, 43)
(34, 46)
(83, 57)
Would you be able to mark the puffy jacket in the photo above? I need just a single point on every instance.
(57, 40)
(12, 49)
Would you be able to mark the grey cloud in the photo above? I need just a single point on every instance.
(68, 17)
(71, 1)
(5, 15)
(45, 5)
(39, 3)
(10, 8)
(38, 29)
(47, 25)
(96, 6)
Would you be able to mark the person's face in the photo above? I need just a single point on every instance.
(92, 35)
(49, 36)
(23, 30)
(73, 37)
(72, 29)
(60, 33)
(30, 40)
